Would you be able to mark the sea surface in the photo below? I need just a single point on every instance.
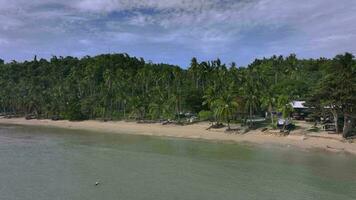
(38, 163)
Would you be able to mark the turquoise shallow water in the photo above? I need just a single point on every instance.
(44, 163)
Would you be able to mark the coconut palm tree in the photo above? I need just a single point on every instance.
(251, 93)
(210, 97)
(268, 101)
(225, 106)
(284, 106)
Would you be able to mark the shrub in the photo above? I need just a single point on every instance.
(205, 115)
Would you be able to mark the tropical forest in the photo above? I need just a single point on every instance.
(121, 87)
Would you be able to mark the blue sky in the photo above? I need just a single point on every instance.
(173, 31)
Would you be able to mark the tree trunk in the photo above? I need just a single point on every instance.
(347, 126)
(111, 109)
(336, 120)
(250, 117)
(124, 111)
(272, 119)
(228, 121)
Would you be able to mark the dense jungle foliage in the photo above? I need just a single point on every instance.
(117, 86)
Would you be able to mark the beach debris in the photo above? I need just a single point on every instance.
(56, 118)
(339, 149)
(350, 140)
(167, 122)
(245, 130)
(216, 126)
(232, 130)
(30, 117)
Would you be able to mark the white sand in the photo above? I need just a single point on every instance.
(323, 141)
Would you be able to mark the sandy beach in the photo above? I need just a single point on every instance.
(299, 138)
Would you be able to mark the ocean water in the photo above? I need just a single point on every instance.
(46, 163)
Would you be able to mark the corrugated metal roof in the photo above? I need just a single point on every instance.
(298, 104)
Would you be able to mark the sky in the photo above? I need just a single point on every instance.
(174, 31)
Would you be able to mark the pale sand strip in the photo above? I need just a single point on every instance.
(197, 131)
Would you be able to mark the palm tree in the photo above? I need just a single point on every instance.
(251, 103)
(268, 102)
(251, 91)
(284, 107)
(210, 97)
(225, 106)
(154, 110)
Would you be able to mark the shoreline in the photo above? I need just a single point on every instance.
(298, 139)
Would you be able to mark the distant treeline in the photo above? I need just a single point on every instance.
(117, 86)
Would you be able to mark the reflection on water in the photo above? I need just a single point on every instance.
(44, 163)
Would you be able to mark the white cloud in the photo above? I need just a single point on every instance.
(119, 5)
(85, 42)
(205, 27)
